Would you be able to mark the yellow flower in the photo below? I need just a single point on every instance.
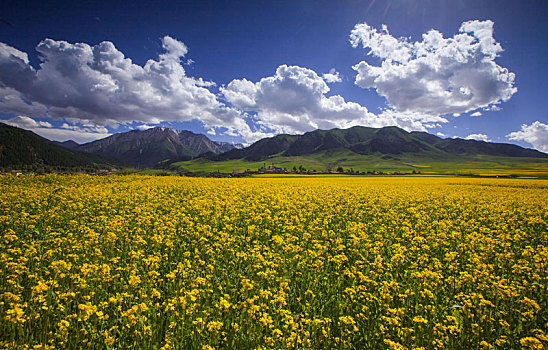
(15, 315)
(531, 343)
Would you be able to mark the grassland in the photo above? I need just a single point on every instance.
(479, 164)
(332, 262)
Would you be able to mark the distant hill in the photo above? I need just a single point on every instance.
(70, 144)
(23, 149)
(472, 147)
(388, 147)
(148, 147)
(367, 141)
(262, 148)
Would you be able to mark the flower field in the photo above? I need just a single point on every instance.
(323, 263)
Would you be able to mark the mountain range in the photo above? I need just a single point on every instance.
(167, 146)
(366, 141)
(145, 148)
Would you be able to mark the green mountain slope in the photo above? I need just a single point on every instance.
(262, 148)
(21, 148)
(369, 141)
(362, 148)
(473, 147)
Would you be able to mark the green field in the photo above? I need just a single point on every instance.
(479, 164)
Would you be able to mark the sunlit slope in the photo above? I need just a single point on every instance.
(479, 164)
(372, 149)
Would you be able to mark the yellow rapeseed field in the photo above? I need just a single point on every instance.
(268, 263)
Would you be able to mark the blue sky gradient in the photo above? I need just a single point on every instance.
(230, 41)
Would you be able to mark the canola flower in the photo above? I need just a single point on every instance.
(123, 262)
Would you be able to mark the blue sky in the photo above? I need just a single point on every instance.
(242, 70)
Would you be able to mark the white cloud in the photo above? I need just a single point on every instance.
(536, 134)
(332, 76)
(93, 86)
(88, 128)
(476, 114)
(294, 100)
(174, 49)
(99, 84)
(24, 122)
(412, 120)
(436, 76)
(144, 126)
(440, 134)
(433, 125)
(79, 136)
(478, 137)
(79, 133)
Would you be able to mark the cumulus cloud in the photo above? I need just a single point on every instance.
(25, 122)
(435, 76)
(476, 114)
(536, 134)
(332, 76)
(478, 137)
(411, 120)
(99, 84)
(294, 100)
(80, 133)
